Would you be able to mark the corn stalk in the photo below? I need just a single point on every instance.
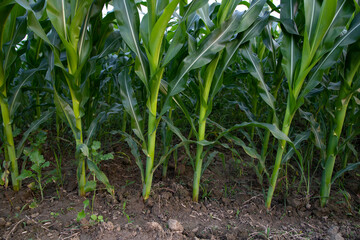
(352, 65)
(71, 22)
(321, 45)
(12, 31)
(149, 67)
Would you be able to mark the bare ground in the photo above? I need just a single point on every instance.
(232, 207)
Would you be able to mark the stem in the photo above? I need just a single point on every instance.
(209, 74)
(168, 137)
(272, 117)
(5, 111)
(10, 146)
(79, 141)
(280, 151)
(152, 126)
(199, 150)
(40, 187)
(340, 113)
(151, 156)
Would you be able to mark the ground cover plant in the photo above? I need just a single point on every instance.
(122, 98)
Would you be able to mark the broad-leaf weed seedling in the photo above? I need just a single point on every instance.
(94, 218)
(81, 215)
(94, 158)
(38, 163)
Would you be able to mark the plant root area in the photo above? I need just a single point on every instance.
(231, 205)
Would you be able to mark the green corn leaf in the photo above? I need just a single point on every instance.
(344, 11)
(15, 34)
(127, 17)
(352, 35)
(209, 160)
(179, 39)
(24, 78)
(135, 152)
(214, 43)
(80, 18)
(171, 150)
(45, 116)
(14, 22)
(158, 31)
(252, 152)
(84, 44)
(5, 10)
(312, 10)
(36, 27)
(315, 129)
(231, 49)
(289, 48)
(203, 13)
(6, 3)
(225, 10)
(94, 125)
(256, 71)
(350, 167)
(174, 129)
(130, 103)
(250, 15)
(100, 176)
(326, 16)
(66, 113)
(112, 44)
(56, 11)
(180, 103)
(184, 142)
(299, 138)
(273, 7)
(276, 132)
(352, 64)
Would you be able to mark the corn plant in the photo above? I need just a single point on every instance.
(264, 60)
(72, 22)
(349, 86)
(149, 66)
(12, 31)
(225, 12)
(322, 42)
(212, 57)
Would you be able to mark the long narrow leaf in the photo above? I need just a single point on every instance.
(130, 103)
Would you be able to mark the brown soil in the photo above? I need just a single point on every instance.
(231, 207)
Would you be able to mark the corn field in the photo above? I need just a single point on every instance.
(270, 85)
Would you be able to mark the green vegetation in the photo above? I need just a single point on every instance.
(278, 83)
